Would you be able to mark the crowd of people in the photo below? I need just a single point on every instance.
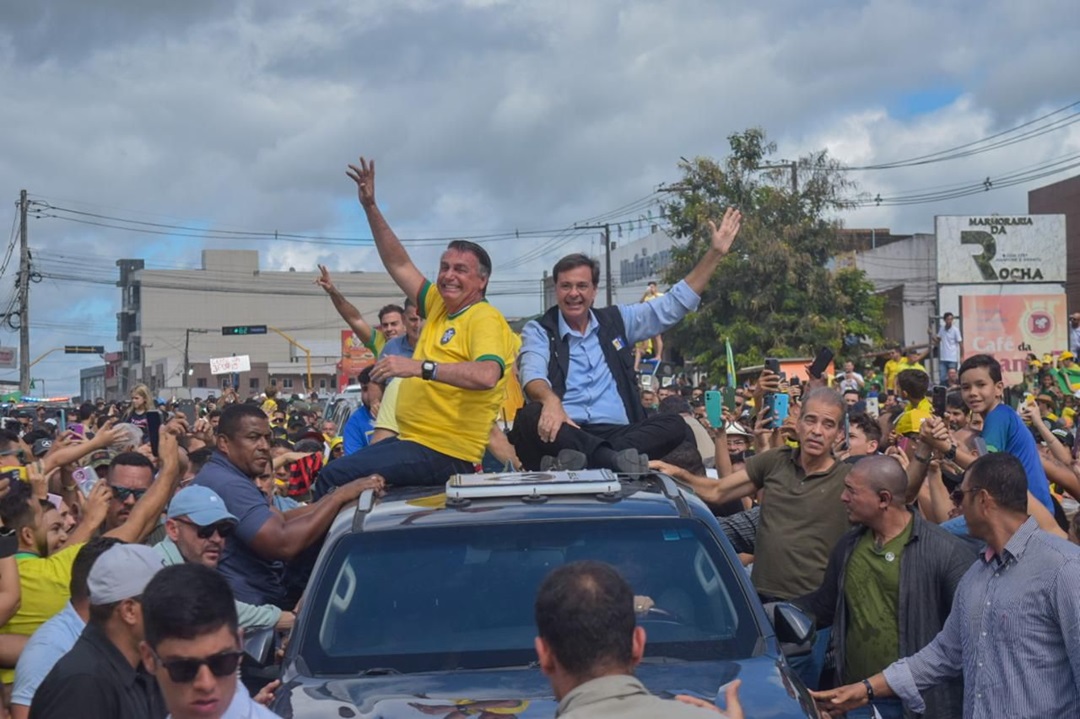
(924, 528)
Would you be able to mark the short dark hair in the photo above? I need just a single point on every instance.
(585, 613)
(389, 309)
(131, 459)
(233, 416)
(674, 405)
(1003, 477)
(199, 458)
(15, 509)
(867, 425)
(686, 456)
(572, 262)
(947, 315)
(101, 613)
(482, 257)
(84, 561)
(986, 361)
(86, 411)
(954, 400)
(8, 439)
(213, 413)
(914, 383)
(183, 601)
(850, 390)
(365, 375)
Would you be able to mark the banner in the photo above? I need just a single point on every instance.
(9, 358)
(230, 365)
(1010, 327)
(1000, 249)
(354, 358)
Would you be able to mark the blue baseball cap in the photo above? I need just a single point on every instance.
(199, 504)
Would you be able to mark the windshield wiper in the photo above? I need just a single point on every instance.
(378, 672)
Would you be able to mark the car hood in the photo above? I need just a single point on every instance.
(769, 689)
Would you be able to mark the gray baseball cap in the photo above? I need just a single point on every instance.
(122, 572)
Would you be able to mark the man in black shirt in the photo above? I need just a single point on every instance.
(102, 677)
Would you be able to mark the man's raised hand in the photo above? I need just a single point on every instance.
(323, 280)
(364, 177)
(723, 236)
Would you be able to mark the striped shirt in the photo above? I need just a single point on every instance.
(1014, 634)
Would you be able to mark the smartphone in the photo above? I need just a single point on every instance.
(188, 410)
(940, 393)
(903, 443)
(86, 478)
(847, 433)
(873, 408)
(728, 394)
(14, 474)
(777, 404)
(821, 363)
(795, 381)
(713, 410)
(153, 428)
(772, 364)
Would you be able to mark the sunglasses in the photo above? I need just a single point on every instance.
(122, 493)
(223, 529)
(184, 671)
(19, 454)
(957, 495)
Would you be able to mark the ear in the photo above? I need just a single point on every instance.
(147, 657)
(26, 536)
(545, 657)
(221, 442)
(172, 529)
(637, 645)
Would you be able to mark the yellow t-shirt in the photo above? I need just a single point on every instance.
(269, 406)
(448, 419)
(912, 418)
(892, 368)
(387, 418)
(46, 588)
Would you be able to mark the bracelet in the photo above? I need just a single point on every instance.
(920, 458)
(869, 690)
(951, 454)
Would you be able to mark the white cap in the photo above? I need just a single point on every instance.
(122, 572)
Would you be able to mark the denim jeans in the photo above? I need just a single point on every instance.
(809, 666)
(400, 462)
(943, 371)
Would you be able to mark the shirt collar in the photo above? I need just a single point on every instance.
(1017, 543)
(594, 690)
(119, 663)
(564, 329)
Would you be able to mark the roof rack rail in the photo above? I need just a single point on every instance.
(671, 491)
(364, 505)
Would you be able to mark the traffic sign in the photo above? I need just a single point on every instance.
(244, 330)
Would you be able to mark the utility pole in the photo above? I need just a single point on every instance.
(187, 356)
(610, 286)
(24, 298)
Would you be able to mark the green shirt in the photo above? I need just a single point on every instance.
(802, 519)
(872, 596)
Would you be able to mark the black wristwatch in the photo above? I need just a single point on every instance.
(427, 369)
(951, 454)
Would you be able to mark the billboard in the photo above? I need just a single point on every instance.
(354, 358)
(9, 358)
(1010, 327)
(1000, 249)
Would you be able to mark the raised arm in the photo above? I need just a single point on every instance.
(346, 309)
(76, 451)
(721, 239)
(391, 252)
(147, 511)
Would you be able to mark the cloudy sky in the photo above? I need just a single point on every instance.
(485, 117)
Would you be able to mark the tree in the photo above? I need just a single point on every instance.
(774, 295)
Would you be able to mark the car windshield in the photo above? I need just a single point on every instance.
(443, 598)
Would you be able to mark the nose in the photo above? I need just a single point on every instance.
(204, 680)
(129, 500)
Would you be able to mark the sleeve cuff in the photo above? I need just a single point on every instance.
(494, 358)
(686, 296)
(898, 677)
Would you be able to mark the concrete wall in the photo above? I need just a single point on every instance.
(910, 265)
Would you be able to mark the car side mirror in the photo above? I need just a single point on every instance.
(792, 625)
(259, 644)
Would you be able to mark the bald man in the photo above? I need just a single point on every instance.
(889, 584)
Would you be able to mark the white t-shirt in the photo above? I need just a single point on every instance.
(855, 383)
(950, 344)
(244, 707)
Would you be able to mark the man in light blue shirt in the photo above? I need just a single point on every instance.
(56, 637)
(576, 366)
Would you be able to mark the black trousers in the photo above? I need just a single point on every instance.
(655, 436)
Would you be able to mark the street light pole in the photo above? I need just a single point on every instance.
(187, 348)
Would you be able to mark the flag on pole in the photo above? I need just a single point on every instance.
(730, 363)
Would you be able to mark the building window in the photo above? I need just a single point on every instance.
(253, 383)
(200, 382)
(286, 383)
(273, 381)
(322, 383)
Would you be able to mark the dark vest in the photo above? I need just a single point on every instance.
(618, 353)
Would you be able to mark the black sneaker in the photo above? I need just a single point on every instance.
(569, 460)
(630, 461)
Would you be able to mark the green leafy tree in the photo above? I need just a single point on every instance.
(774, 295)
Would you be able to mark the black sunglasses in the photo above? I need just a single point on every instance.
(957, 495)
(122, 493)
(184, 671)
(224, 529)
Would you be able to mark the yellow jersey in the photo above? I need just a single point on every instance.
(451, 420)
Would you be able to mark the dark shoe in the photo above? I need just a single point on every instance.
(630, 461)
(569, 460)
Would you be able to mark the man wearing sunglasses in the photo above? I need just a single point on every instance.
(196, 527)
(192, 645)
(102, 676)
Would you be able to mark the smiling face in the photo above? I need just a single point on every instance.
(575, 294)
(979, 391)
(460, 282)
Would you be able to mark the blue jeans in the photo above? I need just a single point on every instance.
(887, 709)
(400, 462)
(943, 371)
(809, 666)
